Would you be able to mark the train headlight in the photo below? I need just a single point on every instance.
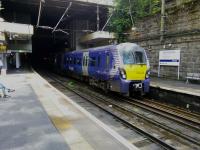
(123, 73)
(147, 74)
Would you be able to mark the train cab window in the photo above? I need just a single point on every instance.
(139, 57)
(132, 56)
(128, 57)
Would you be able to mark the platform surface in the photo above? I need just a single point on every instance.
(37, 116)
(176, 86)
(24, 124)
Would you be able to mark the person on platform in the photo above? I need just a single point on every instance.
(4, 89)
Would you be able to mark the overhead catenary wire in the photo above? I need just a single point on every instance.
(107, 21)
(66, 10)
(98, 19)
(60, 30)
(51, 28)
(39, 13)
(130, 13)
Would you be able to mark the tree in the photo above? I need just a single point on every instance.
(121, 19)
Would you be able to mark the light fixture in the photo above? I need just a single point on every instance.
(133, 28)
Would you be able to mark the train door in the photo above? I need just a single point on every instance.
(85, 63)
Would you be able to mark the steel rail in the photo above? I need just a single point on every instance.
(156, 109)
(127, 123)
(156, 123)
(191, 114)
(188, 138)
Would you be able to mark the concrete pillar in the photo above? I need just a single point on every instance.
(18, 63)
(5, 61)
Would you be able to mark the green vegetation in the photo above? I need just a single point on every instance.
(121, 19)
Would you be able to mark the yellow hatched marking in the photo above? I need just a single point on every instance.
(52, 103)
(60, 122)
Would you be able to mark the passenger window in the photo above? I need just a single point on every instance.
(93, 61)
(70, 60)
(66, 61)
(99, 61)
(78, 61)
(107, 60)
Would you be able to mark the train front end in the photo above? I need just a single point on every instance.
(134, 69)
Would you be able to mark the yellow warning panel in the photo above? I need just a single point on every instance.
(136, 71)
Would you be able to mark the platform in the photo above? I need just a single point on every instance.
(177, 93)
(176, 86)
(38, 116)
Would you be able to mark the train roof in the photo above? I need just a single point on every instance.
(95, 48)
(130, 46)
(108, 46)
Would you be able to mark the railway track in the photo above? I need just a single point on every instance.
(183, 114)
(179, 116)
(140, 116)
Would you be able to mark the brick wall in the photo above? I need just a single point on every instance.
(182, 31)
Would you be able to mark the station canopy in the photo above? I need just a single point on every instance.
(54, 8)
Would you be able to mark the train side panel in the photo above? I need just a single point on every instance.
(105, 67)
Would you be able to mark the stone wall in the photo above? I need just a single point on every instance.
(182, 31)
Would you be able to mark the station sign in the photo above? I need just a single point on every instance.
(2, 42)
(169, 57)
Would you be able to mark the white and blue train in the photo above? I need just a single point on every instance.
(122, 68)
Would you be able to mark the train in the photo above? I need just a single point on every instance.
(122, 68)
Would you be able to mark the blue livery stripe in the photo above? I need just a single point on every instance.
(169, 60)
